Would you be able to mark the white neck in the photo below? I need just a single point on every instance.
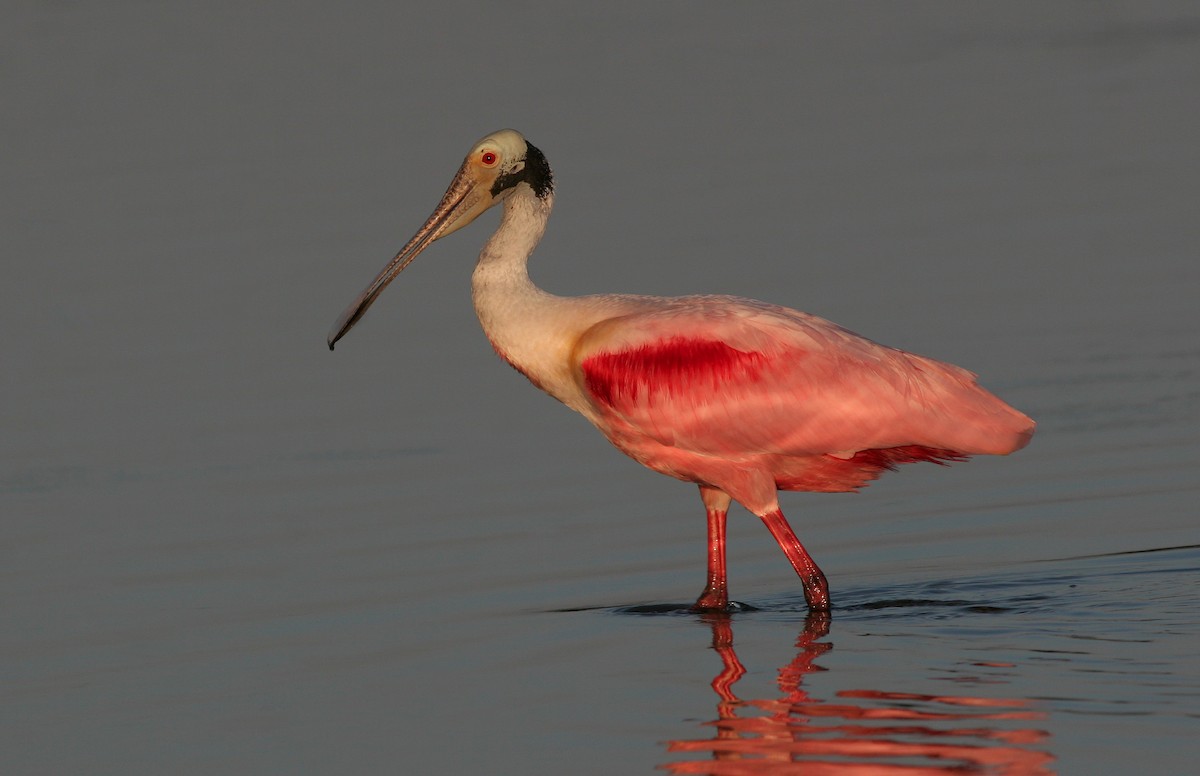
(534, 331)
(503, 264)
(504, 296)
(528, 327)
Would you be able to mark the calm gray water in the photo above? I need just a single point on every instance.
(228, 550)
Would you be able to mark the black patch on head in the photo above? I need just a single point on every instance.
(536, 173)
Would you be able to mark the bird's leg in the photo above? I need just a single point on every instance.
(816, 589)
(716, 594)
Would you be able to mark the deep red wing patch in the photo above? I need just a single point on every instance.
(677, 366)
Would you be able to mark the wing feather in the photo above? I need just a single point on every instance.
(725, 376)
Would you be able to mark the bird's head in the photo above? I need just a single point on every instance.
(492, 170)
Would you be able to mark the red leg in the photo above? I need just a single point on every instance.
(716, 593)
(816, 589)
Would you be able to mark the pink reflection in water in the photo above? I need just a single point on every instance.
(893, 733)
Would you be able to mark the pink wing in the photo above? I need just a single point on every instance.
(726, 376)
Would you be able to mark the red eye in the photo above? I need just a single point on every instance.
(488, 158)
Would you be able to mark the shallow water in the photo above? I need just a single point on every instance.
(225, 549)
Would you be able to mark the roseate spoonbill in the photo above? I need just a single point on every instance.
(741, 397)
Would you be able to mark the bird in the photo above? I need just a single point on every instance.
(740, 397)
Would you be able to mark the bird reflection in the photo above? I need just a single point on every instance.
(885, 733)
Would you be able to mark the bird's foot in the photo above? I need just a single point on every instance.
(816, 591)
(713, 599)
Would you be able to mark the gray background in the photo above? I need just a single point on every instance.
(225, 549)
